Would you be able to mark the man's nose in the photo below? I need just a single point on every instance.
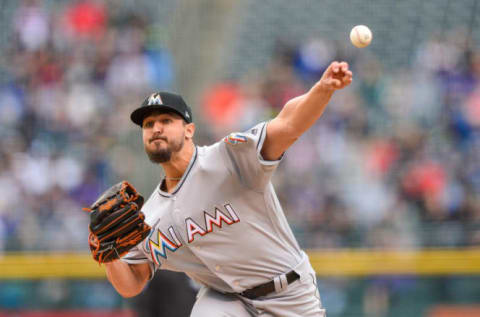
(157, 126)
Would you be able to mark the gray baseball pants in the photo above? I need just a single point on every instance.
(299, 299)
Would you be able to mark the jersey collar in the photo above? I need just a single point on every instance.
(182, 180)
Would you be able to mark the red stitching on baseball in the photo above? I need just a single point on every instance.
(359, 37)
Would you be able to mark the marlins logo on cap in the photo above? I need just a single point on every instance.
(155, 100)
(162, 101)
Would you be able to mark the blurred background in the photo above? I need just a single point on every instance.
(384, 191)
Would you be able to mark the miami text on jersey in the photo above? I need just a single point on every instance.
(158, 242)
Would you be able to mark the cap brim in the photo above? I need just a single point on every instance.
(141, 113)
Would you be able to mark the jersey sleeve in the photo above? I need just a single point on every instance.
(242, 152)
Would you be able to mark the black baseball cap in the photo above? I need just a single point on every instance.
(163, 101)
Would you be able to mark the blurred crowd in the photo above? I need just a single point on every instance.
(394, 161)
(71, 73)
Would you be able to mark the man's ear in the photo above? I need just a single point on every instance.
(189, 130)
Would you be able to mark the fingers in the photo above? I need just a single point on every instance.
(347, 78)
(336, 83)
(339, 67)
(337, 76)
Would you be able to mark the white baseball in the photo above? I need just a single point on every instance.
(361, 36)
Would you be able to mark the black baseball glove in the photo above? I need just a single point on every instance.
(116, 223)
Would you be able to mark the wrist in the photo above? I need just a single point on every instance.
(322, 89)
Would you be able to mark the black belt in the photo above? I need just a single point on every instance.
(267, 288)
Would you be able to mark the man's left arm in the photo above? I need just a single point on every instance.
(301, 112)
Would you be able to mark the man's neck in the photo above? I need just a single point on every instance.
(176, 167)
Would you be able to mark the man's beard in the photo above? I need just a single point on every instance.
(165, 154)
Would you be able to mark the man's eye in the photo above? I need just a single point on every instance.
(149, 124)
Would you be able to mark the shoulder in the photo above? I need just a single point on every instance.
(252, 135)
(212, 153)
(208, 150)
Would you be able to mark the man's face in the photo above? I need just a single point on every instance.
(163, 135)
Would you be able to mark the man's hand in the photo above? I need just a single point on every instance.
(336, 76)
(116, 223)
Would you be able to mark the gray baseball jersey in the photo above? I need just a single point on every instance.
(222, 224)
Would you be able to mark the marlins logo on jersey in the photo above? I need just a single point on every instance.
(235, 138)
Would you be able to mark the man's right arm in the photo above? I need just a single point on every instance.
(301, 112)
(128, 279)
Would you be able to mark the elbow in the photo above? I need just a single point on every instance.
(129, 293)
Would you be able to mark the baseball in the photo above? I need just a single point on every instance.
(361, 36)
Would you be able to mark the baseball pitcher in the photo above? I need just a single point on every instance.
(215, 214)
